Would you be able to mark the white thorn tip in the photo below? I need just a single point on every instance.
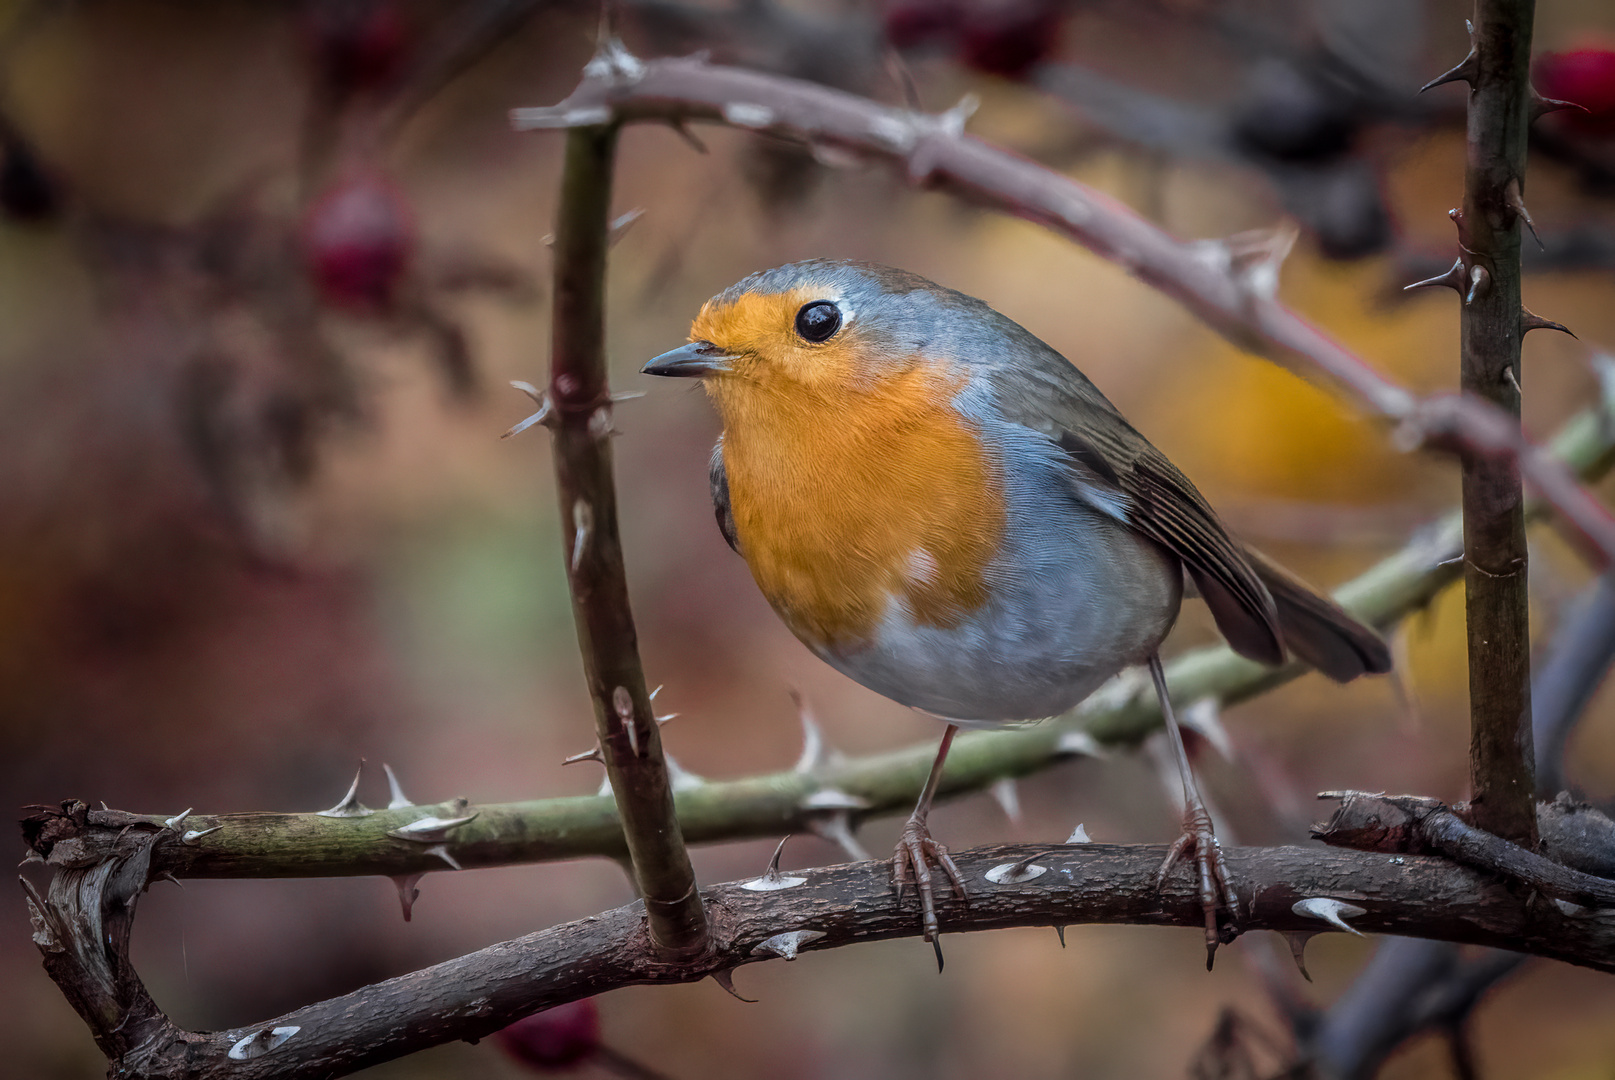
(1014, 873)
(1007, 794)
(1334, 912)
(397, 800)
(262, 1042)
(786, 944)
(350, 806)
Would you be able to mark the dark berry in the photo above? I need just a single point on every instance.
(358, 45)
(1009, 38)
(1286, 115)
(1585, 77)
(554, 1039)
(910, 23)
(358, 239)
(27, 190)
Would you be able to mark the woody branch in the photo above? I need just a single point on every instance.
(1495, 558)
(475, 995)
(1230, 285)
(579, 403)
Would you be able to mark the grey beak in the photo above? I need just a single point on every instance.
(692, 361)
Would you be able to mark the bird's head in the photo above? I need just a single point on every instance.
(810, 329)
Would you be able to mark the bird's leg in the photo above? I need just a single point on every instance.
(915, 849)
(1215, 882)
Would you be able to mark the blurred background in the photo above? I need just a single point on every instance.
(266, 268)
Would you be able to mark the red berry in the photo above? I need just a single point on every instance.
(1009, 37)
(908, 23)
(1586, 77)
(554, 1039)
(358, 44)
(357, 239)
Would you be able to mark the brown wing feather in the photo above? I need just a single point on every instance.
(1318, 630)
(1259, 607)
(1162, 504)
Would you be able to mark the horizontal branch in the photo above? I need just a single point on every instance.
(810, 910)
(1576, 835)
(826, 794)
(1229, 284)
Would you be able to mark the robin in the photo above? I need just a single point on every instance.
(947, 511)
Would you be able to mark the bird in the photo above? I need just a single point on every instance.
(945, 509)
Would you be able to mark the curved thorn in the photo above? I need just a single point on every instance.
(726, 979)
(1452, 279)
(1541, 106)
(397, 800)
(1463, 71)
(1529, 321)
(1516, 202)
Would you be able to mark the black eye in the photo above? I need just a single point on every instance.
(818, 321)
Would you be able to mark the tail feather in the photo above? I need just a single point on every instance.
(1319, 631)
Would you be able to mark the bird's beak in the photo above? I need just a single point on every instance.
(693, 361)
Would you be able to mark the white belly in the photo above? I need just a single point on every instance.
(1074, 600)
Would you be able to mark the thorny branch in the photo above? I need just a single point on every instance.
(580, 417)
(1231, 285)
(820, 794)
(1493, 324)
(1282, 888)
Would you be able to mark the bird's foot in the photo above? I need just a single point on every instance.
(916, 854)
(1215, 882)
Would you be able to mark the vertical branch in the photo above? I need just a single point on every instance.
(581, 401)
(1500, 755)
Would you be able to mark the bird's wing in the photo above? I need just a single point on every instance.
(1117, 470)
(719, 480)
(1261, 608)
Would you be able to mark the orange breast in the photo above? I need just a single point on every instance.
(846, 497)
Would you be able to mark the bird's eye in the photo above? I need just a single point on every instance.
(818, 321)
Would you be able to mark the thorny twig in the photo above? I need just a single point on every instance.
(1493, 323)
(474, 995)
(1230, 284)
(580, 419)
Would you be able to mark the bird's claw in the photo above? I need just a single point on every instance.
(915, 854)
(1215, 882)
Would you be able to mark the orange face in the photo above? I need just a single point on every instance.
(853, 480)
